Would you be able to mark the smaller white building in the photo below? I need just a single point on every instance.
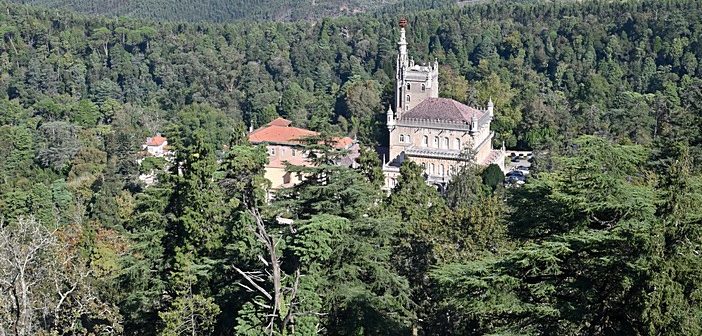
(156, 146)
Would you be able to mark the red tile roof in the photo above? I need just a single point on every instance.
(156, 141)
(443, 109)
(280, 134)
(344, 142)
(279, 131)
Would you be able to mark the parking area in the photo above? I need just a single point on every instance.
(518, 167)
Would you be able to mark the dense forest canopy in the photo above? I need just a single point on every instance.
(603, 239)
(231, 10)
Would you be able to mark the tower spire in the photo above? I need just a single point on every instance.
(403, 59)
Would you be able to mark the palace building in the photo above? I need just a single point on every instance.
(284, 144)
(440, 134)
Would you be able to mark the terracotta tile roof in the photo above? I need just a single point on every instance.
(344, 142)
(156, 141)
(280, 122)
(280, 135)
(288, 135)
(443, 109)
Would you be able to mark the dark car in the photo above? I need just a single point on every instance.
(515, 173)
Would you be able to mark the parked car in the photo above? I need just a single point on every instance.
(517, 173)
(515, 179)
(523, 169)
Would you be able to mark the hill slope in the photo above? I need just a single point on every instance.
(230, 10)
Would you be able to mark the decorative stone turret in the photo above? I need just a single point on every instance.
(491, 108)
(390, 118)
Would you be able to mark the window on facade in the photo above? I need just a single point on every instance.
(408, 139)
(436, 141)
(441, 170)
(409, 86)
(402, 138)
(408, 98)
(458, 143)
(445, 143)
(424, 87)
(293, 152)
(286, 178)
(431, 169)
(272, 151)
(425, 141)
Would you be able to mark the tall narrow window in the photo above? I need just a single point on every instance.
(458, 144)
(424, 87)
(408, 98)
(445, 143)
(402, 138)
(409, 86)
(408, 139)
(431, 169)
(441, 171)
(425, 141)
(436, 142)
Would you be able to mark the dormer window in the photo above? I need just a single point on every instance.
(424, 87)
(408, 98)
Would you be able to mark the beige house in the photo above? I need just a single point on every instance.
(284, 144)
(440, 134)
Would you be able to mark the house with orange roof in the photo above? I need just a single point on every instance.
(156, 146)
(284, 143)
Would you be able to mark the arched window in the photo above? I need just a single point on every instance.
(431, 169)
(458, 143)
(424, 87)
(441, 171)
(436, 142)
(424, 167)
(425, 141)
(402, 138)
(408, 98)
(409, 86)
(408, 139)
(445, 143)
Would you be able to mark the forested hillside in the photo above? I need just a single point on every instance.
(604, 238)
(231, 10)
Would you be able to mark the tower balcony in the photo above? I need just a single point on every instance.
(435, 153)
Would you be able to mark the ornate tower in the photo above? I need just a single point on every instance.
(414, 82)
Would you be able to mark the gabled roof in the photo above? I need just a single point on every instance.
(443, 109)
(156, 141)
(280, 134)
(279, 131)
